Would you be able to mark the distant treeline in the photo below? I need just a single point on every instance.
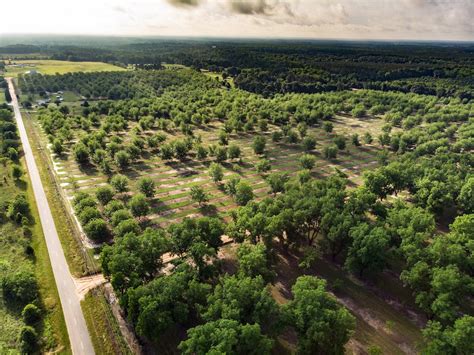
(273, 67)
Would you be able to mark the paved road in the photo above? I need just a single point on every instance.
(75, 322)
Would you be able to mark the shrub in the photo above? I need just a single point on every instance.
(31, 314)
(330, 152)
(307, 161)
(20, 287)
(28, 340)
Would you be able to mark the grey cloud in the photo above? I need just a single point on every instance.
(185, 3)
(260, 7)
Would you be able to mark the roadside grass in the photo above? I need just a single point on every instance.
(53, 331)
(2, 96)
(103, 327)
(51, 67)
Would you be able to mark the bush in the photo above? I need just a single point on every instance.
(31, 314)
(18, 208)
(20, 287)
(330, 152)
(328, 127)
(28, 340)
(263, 166)
(340, 142)
(277, 136)
(309, 143)
(307, 161)
(17, 172)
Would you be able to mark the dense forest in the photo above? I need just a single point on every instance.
(267, 67)
(413, 215)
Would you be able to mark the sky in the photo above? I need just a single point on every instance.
(324, 19)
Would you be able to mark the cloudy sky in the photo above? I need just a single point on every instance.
(346, 19)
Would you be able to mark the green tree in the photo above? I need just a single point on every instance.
(226, 336)
(122, 159)
(97, 230)
(57, 146)
(277, 182)
(216, 172)
(243, 193)
(308, 143)
(199, 195)
(466, 196)
(104, 194)
(230, 186)
(355, 140)
(453, 340)
(81, 153)
(322, 324)
(368, 138)
(253, 260)
(146, 186)
(119, 183)
(139, 205)
(243, 299)
(259, 144)
(234, 151)
(369, 249)
(307, 161)
(263, 166)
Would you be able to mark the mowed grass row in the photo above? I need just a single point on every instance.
(175, 179)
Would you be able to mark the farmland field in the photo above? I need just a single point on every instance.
(207, 187)
(50, 67)
(174, 179)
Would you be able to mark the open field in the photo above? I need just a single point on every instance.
(50, 67)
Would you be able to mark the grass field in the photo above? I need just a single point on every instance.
(175, 179)
(56, 66)
(53, 331)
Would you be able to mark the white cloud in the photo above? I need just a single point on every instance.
(401, 19)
